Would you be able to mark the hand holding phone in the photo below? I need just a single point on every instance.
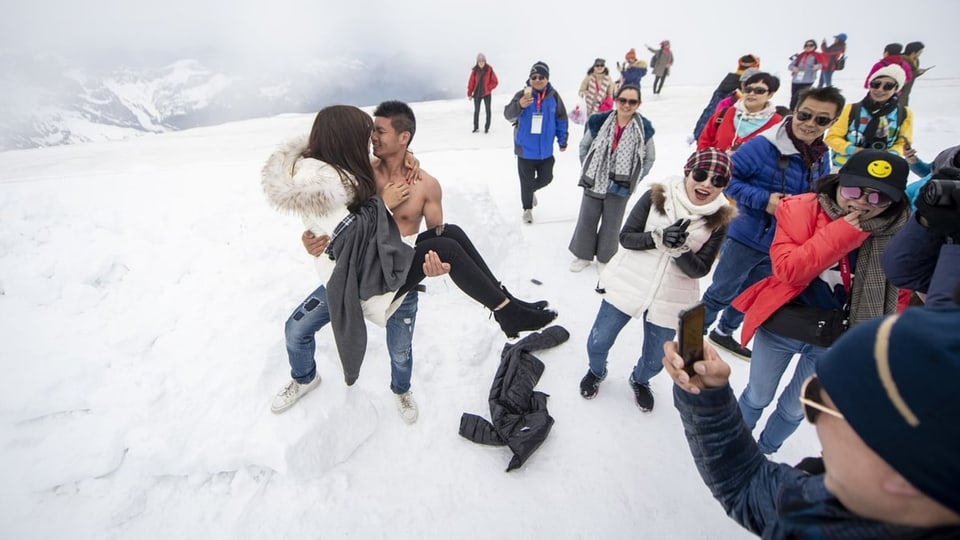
(691, 336)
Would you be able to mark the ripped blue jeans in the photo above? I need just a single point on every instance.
(313, 314)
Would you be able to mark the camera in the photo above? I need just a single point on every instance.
(941, 192)
(879, 145)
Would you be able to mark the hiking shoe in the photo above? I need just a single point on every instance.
(579, 264)
(407, 407)
(528, 216)
(291, 393)
(730, 344)
(642, 395)
(590, 385)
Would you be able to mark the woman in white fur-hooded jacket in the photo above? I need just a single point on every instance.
(670, 240)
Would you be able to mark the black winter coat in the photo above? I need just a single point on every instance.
(520, 417)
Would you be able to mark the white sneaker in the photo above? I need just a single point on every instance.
(690, 139)
(291, 393)
(579, 264)
(407, 407)
(528, 216)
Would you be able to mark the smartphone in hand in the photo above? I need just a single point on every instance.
(691, 336)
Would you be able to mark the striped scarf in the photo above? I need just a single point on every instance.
(872, 294)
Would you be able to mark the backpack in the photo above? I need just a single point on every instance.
(841, 63)
(723, 112)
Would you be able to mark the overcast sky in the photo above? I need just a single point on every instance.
(444, 37)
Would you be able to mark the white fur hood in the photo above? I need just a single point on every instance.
(305, 186)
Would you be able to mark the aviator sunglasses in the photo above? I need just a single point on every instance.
(887, 86)
(718, 180)
(821, 121)
(874, 198)
(625, 101)
(813, 402)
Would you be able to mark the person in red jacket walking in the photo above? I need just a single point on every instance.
(479, 87)
(826, 275)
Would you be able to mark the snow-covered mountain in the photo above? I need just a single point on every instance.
(50, 104)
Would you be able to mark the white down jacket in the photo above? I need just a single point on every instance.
(650, 280)
(315, 191)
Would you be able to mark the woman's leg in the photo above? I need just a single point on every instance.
(606, 327)
(476, 113)
(299, 332)
(608, 237)
(486, 103)
(469, 277)
(651, 360)
(789, 412)
(771, 356)
(583, 245)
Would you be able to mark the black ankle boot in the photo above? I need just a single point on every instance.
(540, 304)
(515, 318)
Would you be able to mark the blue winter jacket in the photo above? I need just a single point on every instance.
(921, 260)
(757, 173)
(536, 147)
(769, 499)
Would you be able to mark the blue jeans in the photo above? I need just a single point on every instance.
(826, 78)
(607, 326)
(313, 314)
(771, 356)
(739, 267)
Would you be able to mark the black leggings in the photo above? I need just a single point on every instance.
(467, 268)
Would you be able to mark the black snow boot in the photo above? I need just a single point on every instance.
(515, 318)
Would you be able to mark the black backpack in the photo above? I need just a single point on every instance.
(841, 63)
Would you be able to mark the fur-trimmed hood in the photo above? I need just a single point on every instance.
(714, 221)
(304, 186)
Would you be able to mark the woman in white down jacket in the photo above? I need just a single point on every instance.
(669, 241)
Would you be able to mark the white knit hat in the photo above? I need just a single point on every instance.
(893, 71)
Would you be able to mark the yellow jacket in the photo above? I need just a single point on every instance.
(846, 141)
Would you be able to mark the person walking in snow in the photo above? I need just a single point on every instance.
(746, 118)
(631, 70)
(832, 54)
(479, 88)
(661, 62)
(728, 85)
(803, 67)
(596, 86)
(669, 242)
(614, 165)
(538, 116)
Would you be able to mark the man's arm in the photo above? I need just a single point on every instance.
(432, 200)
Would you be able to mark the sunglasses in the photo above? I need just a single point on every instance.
(630, 102)
(718, 180)
(888, 86)
(537, 78)
(758, 90)
(874, 198)
(821, 121)
(812, 400)
(599, 66)
(814, 45)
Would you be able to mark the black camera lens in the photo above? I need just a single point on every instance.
(879, 145)
(940, 192)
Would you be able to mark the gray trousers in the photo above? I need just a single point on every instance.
(587, 240)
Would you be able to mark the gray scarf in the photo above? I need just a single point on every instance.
(624, 165)
(872, 294)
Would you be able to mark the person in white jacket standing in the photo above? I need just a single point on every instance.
(670, 240)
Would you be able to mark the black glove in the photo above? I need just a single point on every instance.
(675, 235)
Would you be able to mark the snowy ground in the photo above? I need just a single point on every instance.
(143, 290)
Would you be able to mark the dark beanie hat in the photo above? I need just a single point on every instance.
(876, 169)
(541, 68)
(893, 379)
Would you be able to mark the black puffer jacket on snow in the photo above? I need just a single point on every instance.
(520, 417)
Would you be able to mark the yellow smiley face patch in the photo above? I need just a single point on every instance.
(880, 168)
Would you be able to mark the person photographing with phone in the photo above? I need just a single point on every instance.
(826, 276)
(883, 415)
(669, 241)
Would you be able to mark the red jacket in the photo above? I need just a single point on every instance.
(806, 243)
(489, 81)
(724, 135)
